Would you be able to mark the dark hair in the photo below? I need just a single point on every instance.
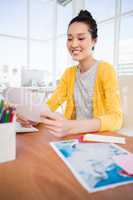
(85, 16)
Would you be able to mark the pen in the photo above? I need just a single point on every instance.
(1, 105)
(11, 116)
(7, 116)
(2, 116)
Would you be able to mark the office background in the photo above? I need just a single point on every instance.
(33, 36)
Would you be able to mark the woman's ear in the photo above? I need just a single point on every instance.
(94, 43)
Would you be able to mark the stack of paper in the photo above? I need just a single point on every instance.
(102, 138)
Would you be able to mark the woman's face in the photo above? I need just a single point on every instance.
(79, 41)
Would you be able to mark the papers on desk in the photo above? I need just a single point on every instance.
(102, 138)
(21, 129)
(92, 163)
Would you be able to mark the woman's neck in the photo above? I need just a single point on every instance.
(86, 64)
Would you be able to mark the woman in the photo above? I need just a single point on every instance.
(90, 88)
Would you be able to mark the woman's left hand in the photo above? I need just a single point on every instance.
(56, 123)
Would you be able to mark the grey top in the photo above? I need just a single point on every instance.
(83, 92)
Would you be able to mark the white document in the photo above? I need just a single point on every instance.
(32, 112)
(92, 163)
(27, 103)
(21, 129)
(103, 138)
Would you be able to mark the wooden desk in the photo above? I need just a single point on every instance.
(39, 174)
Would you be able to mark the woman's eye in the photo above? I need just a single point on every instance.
(69, 39)
(81, 38)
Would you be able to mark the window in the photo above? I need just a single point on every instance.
(13, 57)
(64, 15)
(13, 30)
(13, 17)
(101, 10)
(104, 46)
(41, 57)
(126, 46)
(41, 19)
(126, 40)
(127, 5)
(61, 56)
(27, 37)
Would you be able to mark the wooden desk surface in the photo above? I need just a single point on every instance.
(39, 174)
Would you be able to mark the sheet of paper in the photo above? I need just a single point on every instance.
(21, 129)
(126, 131)
(32, 112)
(125, 161)
(92, 163)
(103, 138)
(27, 103)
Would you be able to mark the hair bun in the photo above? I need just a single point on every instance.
(85, 13)
(85, 17)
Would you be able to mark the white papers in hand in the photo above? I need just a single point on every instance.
(32, 112)
(27, 103)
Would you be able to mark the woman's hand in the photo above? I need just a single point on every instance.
(60, 127)
(24, 121)
(56, 123)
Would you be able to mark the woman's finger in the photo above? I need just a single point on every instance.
(51, 115)
(51, 122)
(33, 123)
(21, 117)
(22, 121)
(26, 125)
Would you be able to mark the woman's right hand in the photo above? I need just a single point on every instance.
(23, 121)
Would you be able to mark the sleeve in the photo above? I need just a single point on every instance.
(60, 93)
(113, 118)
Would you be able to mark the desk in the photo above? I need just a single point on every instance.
(39, 174)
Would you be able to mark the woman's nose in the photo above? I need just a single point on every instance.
(74, 43)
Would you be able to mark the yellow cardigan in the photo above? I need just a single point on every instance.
(106, 98)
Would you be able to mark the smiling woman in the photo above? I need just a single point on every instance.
(89, 88)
